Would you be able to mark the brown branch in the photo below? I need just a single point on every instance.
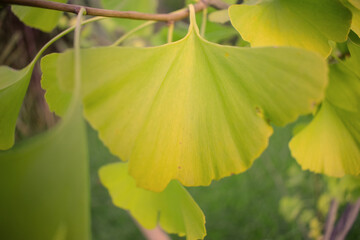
(72, 8)
(346, 221)
(331, 218)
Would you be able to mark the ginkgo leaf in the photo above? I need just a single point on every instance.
(330, 144)
(44, 181)
(44, 185)
(307, 24)
(59, 99)
(13, 86)
(192, 110)
(174, 209)
(43, 19)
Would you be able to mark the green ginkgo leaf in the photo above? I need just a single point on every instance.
(44, 185)
(307, 24)
(192, 110)
(43, 19)
(44, 181)
(174, 209)
(59, 98)
(13, 86)
(330, 144)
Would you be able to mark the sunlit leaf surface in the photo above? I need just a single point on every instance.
(13, 86)
(307, 24)
(174, 209)
(43, 19)
(330, 144)
(192, 110)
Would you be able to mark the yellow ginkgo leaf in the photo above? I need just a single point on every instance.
(174, 209)
(190, 110)
(330, 144)
(306, 24)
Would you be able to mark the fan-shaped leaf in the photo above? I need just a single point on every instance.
(307, 24)
(330, 144)
(13, 86)
(43, 19)
(192, 110)
(174, 209)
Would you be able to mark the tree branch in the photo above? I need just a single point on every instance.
(346, 221)
(331, 218)
(174, 16)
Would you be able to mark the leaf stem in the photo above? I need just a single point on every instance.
(128, 34)
(203, 22)
(64, 7)
(63, 33)
(170, 32)
(77, 62)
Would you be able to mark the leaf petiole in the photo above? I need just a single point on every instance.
(63, 33)
(170, 32)
(128, 34)
(203, 22)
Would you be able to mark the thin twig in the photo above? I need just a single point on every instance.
(203, 22)
(170, 32)
(346, 221)
(175, 16)
(128, 34)
(331, 218)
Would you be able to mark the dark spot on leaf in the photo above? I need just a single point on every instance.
(313, 104)
(179, 167)
(259, 111)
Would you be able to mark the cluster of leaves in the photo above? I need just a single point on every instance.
(183, 113)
